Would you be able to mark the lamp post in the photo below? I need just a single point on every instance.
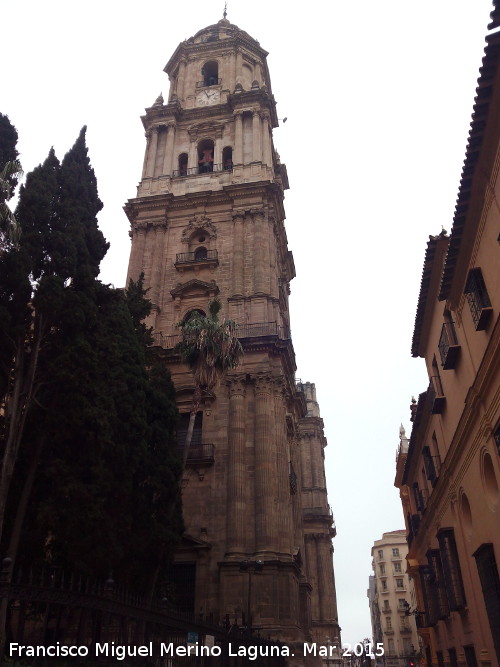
(256, 567)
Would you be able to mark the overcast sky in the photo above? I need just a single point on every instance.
(378, 97)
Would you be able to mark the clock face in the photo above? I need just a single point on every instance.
(208, 97)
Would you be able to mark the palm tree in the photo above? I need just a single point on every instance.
(210, 348)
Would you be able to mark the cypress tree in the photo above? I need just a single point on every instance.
(89, 423)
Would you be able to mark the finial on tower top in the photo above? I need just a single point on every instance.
(225, 10)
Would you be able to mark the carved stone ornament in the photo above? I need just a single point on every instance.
(143, 225)
(264, 383)
(199, 222)
(195, 288)
(236, 385)
(206, 129)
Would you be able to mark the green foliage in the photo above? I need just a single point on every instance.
(10, 171)
(111, 446)
(8, 150)
(106, 494)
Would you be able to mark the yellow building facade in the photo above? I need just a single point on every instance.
(449, 475)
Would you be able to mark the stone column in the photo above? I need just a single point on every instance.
(158, 233)
(152, 153)
(266, 251)
(238, 138)
(312, 573)
(146, 154)
(232, 72)
(193, 155)
(239, 66)
(305, 455)
(325, 577)
(266, 140)
(317, 461)
(238, 253)
(138, 243)
(284, 506)
(168, 158)
(218, 149)
(273, 258)
(265, 474)
(256, 134)
(259, 254)
(181, 79)
(237, 521)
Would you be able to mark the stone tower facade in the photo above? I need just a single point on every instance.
(208, 220)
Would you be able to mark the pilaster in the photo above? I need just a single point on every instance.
(237, 500)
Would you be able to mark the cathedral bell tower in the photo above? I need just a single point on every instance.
(208, 220)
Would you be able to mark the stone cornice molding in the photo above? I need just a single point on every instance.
(205, 128)
(199, 222)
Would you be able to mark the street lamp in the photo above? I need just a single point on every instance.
(256, 567)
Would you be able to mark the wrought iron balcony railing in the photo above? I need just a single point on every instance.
(202, 169)
(209, 81)
(201, 454)
(243, 331)
(449, 349)
(203, 257)
(436, 395)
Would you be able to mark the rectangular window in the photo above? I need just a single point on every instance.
(183, 428)
(397, 567)
(386, 604)
(382, 568)
(400, 583)
(430, 470)
(479, 301)
(395, 552)
(418, 497)
(389, 623)
(380, 553)
(453, 657)
(490, 585)
(434, 558)
(384, 585)
(496, 435)
(451, 569)
(402, 603)
(470, 656)
(429, 594)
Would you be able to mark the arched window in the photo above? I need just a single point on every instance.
(210, 73)
(227, 158)
(183, 164)
(205, 156)
(196, 312)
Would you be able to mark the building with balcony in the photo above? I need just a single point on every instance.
(389, 595)
(449, 471)
(207, 221)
